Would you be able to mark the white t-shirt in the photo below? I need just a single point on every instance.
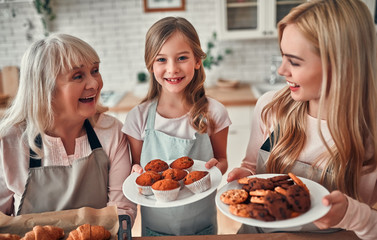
(136, 121)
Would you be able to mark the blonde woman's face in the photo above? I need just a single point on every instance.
(301, 66)
(77, 92)
(174, 67)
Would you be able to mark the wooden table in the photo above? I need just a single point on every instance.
(343, 235)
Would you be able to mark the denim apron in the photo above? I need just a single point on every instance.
(199, 217)
(55, 188)
(300, 169)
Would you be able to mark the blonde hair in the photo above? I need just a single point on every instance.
(43, 61)
(194, 93)
(344, 36)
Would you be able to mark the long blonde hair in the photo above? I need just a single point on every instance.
(194, 93)
(344, 36)
(31, 109)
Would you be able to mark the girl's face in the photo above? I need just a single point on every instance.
(175, 64)
(77, 92)
(301, 66)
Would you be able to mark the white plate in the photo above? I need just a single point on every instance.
(185, 195)
(316, 211)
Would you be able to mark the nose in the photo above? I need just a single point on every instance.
(172, 67)
(94, 82)
(283, 69)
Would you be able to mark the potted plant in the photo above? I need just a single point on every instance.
(44, 10)
(214, 58)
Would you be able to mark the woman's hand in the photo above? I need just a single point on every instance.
(238, 173)
(221, 164)
(137, 168)
(339, 205)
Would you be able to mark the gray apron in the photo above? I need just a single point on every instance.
(199, 217)
(55, 188)
(300, 169)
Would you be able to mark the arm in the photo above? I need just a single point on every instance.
(219, 145)
(257, 137)
(135, 147)
(349, 214)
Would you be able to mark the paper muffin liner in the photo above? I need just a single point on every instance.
(201, 185)
(145, 190)
(166, 195)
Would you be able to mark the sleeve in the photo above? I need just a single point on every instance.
(120, 169)
(135, 122)
(6, 196)
(361, 219)
(257, 134)
(219, 115)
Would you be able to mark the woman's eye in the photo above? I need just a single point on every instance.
(77, 77)
(293, 63)
(95, 71)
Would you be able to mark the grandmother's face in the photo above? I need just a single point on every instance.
(77, 92)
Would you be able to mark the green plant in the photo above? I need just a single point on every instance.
(212, 59)
(43, 8)
(141, 77)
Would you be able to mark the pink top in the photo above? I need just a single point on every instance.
(14, 163)
(359, 216)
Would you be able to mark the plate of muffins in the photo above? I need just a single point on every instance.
(171, 183)
(272, 200)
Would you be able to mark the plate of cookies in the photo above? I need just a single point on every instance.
(171, 183)
(272, 200)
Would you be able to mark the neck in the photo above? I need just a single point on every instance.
(68, 131)
(314, 110)
(172, 105)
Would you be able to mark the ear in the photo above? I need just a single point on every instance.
(198, 63)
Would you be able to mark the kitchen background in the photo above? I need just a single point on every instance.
(116, 29)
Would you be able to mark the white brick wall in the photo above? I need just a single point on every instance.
(116, 29)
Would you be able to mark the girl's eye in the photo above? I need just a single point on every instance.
(182, 58)
(160, 60)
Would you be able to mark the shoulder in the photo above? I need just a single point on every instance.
(266, 98)
(216, 106)
(138, 112)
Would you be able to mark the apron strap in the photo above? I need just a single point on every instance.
(151, 115)
(268, 144)
(35, 162)
(92, 137)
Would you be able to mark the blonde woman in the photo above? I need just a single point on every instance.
(323, 125)
(176, 119)
(58, 150)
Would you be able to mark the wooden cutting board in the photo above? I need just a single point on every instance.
(10, 79)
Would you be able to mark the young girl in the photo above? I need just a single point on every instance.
(177, 119)
(324, 125)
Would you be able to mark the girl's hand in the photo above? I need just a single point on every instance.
(211, 163)
(237, 173)
(137, 168)
(338, 209)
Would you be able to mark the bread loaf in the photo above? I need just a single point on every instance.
(44, 233)
(89, 232)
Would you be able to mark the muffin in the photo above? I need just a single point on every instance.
(198, 181)
(184, 163)
(156, 165)
(175, 174)
(145, 181)
(166, 190)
